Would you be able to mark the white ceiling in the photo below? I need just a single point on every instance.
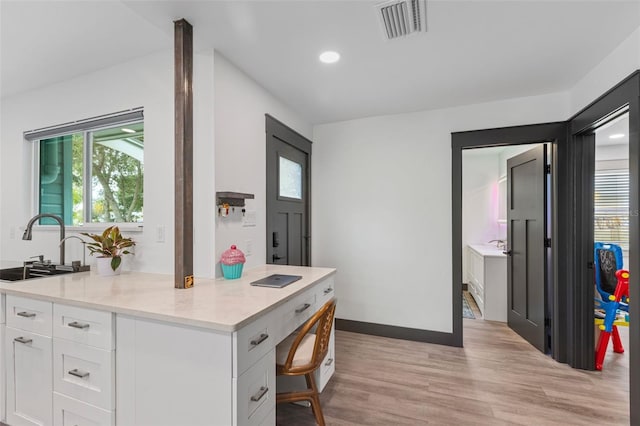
(474, 51)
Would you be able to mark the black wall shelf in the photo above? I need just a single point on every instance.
(234, 199)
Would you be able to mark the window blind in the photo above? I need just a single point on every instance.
(611, 202)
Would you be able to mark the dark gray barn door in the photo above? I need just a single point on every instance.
(526, 235)
(288, 187)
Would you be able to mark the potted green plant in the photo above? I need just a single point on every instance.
(110, 246)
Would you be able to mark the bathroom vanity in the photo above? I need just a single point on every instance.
(81, 349)
(487, 280)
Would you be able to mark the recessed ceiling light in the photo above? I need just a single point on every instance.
(617, 136)
(329, 57)
(128, 130)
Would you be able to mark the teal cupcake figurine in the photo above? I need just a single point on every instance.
(232, 261)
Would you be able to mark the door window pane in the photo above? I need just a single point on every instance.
(290, 179)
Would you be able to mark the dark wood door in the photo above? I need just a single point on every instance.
(288, 195)
(526, 207)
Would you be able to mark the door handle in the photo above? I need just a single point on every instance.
(303, 308)
(76, 324)
(78, 373)
(507, 252)
(276, 257)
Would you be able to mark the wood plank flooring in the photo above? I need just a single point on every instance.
(496, 379)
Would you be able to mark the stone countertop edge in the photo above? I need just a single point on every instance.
(208, 286)
(487, 251)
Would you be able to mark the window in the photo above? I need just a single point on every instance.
(611, 199)
(92, 171)
(290, 179)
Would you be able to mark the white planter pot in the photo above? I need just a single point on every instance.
(104, 267)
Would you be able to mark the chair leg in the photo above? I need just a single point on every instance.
(617, 343)
(315, 399)
(603, 342)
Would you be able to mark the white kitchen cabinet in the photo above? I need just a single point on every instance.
(3, 381)
(487, 280)
(205, 360)
(29, 378)
(170, 374)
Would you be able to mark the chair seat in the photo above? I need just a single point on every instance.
(303, 354)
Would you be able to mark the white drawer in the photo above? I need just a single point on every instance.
(254, 341)
(71, 412)
(255, 392)
(325, 291)
(84, 373)
(328, 366)
(29, 314)
(269, 419)
(86, 326)
(296, 311)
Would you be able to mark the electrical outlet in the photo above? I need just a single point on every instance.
(160, 234)
(248, 247)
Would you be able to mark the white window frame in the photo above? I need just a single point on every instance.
(85, 126)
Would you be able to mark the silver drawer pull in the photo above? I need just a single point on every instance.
(329, 362)
(262, 338)
(262, 392)
(79, 373)
(303, 308)
(23, 340)
(79, 325)
(328, 290)
(26, 314)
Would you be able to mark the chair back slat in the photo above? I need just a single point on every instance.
(324, 320)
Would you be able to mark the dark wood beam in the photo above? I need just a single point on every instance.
(183, 154)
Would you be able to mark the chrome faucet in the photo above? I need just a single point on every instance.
(499, 243)
(62, 241)
(27, 232)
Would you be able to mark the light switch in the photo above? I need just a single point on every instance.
(160, 234)
(249, 218)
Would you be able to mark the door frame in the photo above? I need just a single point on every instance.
(625, 94)
(279, 130)
(572, 325)
(550, 133)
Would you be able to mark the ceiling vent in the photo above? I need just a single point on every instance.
(402, 17)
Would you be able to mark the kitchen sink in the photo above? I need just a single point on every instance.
(18, 274)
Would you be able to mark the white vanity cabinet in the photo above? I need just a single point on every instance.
(28, 346)
(487, 280)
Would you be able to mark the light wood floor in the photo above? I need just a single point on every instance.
(496, 379)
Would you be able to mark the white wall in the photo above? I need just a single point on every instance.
(619, 64)
(479, 198)
(146, 82)
(240, 145)
(381, 206)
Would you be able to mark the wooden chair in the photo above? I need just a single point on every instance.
(302, 353)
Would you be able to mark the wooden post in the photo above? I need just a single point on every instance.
(183, 154)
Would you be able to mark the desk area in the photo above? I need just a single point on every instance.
(132, 349)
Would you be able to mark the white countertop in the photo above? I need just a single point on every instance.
(224, 305)
(488, 250)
